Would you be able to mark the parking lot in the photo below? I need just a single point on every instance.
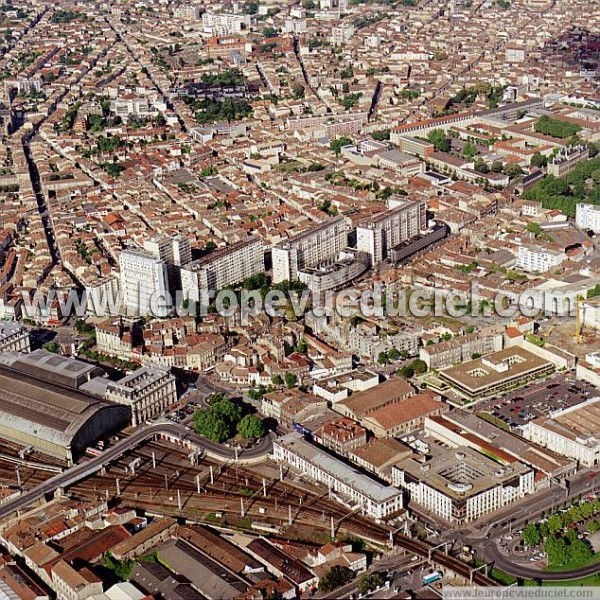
(536, 400)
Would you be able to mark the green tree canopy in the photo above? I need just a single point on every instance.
(469, 151)
(251, 427)
(336, 145)
(439, 139)
(335, 578)
(290, 380)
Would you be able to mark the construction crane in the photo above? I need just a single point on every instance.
(581, 304)
(578, 320)
(546, 334)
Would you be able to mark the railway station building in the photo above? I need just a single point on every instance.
(347, 483)
(53, 420)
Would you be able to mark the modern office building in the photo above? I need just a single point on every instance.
(144, 281)
(461, 485)
(308, 249)
(377, 236)
(223, 267)
(587, 217)
(496, 373)
(373, 498)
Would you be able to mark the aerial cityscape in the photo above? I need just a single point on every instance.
(299, 299)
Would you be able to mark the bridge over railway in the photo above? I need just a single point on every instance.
(171, 430)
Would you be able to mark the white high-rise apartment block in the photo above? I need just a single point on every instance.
(224, 23)
(308, 249)
(174, 250)
(187, 12)
(379, 235)
(342, 35)
(223, 267)
(143, 281)
(537, 258)
(587, 217)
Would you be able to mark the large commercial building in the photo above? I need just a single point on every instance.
(587, 217)
(572, 432)
(52, 368)
(54, 420)
(496, 373)
(377, 236)
(308, 249)
(144, 281)
(461, 485)
(355, 489)
(222, 268)
(148, 392)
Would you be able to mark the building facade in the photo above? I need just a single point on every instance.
(374, 499)
(537, 258)
(144, 281)
(308, 249)
(148, 392)
(587, 217)
(462, 485)
(222, 268)
(572, 432)
(567, 159)
(379, 235)
(13, 338)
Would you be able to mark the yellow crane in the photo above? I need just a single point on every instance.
(581, 304)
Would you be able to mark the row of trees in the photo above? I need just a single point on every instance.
(564, 548)
(340, 575)
(555, 128)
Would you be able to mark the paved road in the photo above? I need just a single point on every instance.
(530, 512)
(502, 562)
(83, 470)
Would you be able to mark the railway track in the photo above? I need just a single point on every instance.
(163, 470)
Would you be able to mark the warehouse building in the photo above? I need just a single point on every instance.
(55, 421)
